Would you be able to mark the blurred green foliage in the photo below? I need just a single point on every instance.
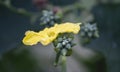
(17, 60)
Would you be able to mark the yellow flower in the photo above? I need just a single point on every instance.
(49, 34)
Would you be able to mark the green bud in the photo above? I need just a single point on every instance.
(63, 43)
(68, 46)
(90, 34)
(69, 39)
(64, 52)
(59, 45)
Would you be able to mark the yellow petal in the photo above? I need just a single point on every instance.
(31, 38)
(49, 34)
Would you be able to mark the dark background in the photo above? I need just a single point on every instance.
(13, 26)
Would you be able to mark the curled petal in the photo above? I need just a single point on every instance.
(49, 34)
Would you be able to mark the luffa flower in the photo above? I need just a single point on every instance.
(47, 35)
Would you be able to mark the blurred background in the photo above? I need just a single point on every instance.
(100, 55)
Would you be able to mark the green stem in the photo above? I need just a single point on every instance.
(72, 7)
(64, 69)
(57, 58)
(20, 11)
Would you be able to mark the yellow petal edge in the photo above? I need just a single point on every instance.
(47, 35)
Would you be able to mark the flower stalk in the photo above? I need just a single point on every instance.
(64, 68)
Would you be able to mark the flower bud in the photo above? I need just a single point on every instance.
(64, 52)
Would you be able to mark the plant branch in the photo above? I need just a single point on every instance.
(72, 8)
(20, 11)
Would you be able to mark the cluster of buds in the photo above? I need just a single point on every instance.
(49, 18)
(89, 30)
(63, 45)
